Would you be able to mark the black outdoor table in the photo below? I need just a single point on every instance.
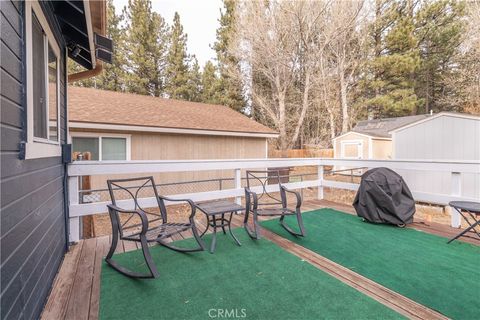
(215, 212)
(468, 210)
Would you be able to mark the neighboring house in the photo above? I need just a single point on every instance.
(370, 139)
(124, 126)
(443, 136)
(36, 39)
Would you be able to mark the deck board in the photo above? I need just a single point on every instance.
(76, 290)
(80, 297)
(101, 250)
(56, 306)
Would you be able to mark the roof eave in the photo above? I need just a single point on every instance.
(194, 131)
(363, 134)
(440, 114)
(88, 17)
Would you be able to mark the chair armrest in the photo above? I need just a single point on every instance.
(283, 191)
(139, 212)
(248, 195)
(193, 208)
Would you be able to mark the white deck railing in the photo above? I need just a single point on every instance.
(91, 168)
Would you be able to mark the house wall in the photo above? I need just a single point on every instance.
(160, 146)
(442, 138)
(351, 136)
(381, 149)
(147, 146)
(33, 239)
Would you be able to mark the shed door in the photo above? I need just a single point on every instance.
(352, 149)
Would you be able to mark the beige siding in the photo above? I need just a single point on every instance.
(381, 149)
(147, 146)
(351, 137)
(155, 146)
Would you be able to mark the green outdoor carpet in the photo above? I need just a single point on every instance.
(258, 280)
(415, 264)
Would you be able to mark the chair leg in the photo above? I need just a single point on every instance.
(113, 245)
(148, 257)
(197, 237)
(255, 234)
(302, 232)
(132, 274)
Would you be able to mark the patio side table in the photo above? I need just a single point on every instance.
(216, 212)
(468, 210)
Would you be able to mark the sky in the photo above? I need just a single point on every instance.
(198, 17)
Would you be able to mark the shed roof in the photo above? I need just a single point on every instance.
(438, 115)
(382, 127)
(93, 106)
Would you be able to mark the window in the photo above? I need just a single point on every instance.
(103, 147)
(43, 86)
(351, 149)
(86, 145)
(53, 89)
(114, 149)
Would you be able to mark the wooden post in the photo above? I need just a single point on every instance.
(320, 182)
(238, 184)
(74, 232)
(456, 190)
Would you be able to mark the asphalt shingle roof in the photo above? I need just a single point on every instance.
(109, 107)
(382, 127)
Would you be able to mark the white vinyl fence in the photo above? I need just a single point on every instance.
(455, 169)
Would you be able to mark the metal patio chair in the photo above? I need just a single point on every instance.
(153, 226)
(267, 205)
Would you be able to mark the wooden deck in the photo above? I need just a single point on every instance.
(76, 290)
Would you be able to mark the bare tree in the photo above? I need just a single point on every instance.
(279, 42)
(303, 58)
(346, 49)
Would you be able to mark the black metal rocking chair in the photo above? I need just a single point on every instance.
(273, 206)
(156, 229)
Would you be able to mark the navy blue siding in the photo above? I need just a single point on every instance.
(32, 233)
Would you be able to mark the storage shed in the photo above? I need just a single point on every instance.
(370, 139)
(443, 136)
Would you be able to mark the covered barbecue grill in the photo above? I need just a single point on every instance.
(384, 197)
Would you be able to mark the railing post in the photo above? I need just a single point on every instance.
(456, 190)
(238, 184)
(73, 198)
(320, 182)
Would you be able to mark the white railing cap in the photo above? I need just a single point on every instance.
(81, 168)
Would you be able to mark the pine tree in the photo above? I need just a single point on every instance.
(195, 81)
(113, 75)
(159, 54)
(146, 42)
(439, 28)
(177, 70)
(210, 83)
(229, 88)
(396, 66)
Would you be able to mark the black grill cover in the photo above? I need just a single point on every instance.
(383, 197)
